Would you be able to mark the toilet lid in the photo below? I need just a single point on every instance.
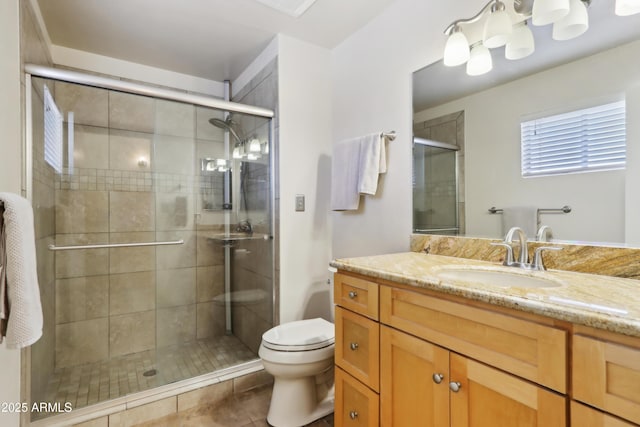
(301, 335)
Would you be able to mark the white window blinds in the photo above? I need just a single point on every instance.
(580, 141)
(52, 132)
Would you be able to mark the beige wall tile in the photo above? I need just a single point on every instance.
(132, 333)
(175, 118)
(98, 422)
(45, 261)
(82, 342)
(82, 262)
(89, 105)
(44, 219)
(82, 298)
(175, 155)
(210, 395)
(131, 112)
(174, 211)
(91, 147)
(82, 211)
(208, 252)
(176, 256)
(129, 260)
(176, 325)
(144, 413)
(131, 211)
(43, 352)
(209, 149)
(127, 149)
(210, 321)
(132, 292)
(176, 287)
(209, 282)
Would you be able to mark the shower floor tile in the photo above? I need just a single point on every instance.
(96, 382)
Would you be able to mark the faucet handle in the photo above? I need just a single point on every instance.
(508, 260)
(537, 256)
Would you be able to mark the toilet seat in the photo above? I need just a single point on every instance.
(301, 335)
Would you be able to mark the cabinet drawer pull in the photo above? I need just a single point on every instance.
(353, 415)
(455, 386)
(437, 378)
(353, 294)
(354, 346)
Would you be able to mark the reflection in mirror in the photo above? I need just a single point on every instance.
(492, 107)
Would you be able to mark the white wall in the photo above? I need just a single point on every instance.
(492, 144)
(10, 171)
(305, 150)
(632, 205)
(372, 91)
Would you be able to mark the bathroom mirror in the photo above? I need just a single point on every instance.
(482, 115)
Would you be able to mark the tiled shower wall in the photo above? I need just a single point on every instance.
(135, 178)
(450, 129)
(253, 259)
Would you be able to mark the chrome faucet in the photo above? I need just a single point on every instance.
(523, 256)
(544, 234)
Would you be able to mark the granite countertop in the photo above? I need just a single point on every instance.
(602, 302)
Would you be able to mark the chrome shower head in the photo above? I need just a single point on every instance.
(226, 125)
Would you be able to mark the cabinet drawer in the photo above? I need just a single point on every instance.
(356, 405)
(357, 347)
(584, 416)
(524, 348)
(607, 376)
(356, 294)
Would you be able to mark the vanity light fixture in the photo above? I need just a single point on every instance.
(627, 7)
(505, 23)
(254, 145)
(480, 61)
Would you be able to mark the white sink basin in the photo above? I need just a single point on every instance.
(502, 279)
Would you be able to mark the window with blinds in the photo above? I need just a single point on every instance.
(585, 140)
(52, 132)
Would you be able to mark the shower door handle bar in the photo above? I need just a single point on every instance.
(115, 245)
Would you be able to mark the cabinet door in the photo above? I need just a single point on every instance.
(607, 375)
(409, 396)
(584, 416)
(355, 404)
(489, 397)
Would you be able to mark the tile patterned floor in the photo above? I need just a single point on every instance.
(248, 409)
(96, 382)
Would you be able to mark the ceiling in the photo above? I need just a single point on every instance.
(212, 39)
(437, 84)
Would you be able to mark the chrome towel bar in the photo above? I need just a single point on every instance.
(115, 245)
(564, 209)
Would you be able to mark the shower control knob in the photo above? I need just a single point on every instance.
(354, 346)
(353, 294)
(353, 415)
(455, 386)
(437, 378)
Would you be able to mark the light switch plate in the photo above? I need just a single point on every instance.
(299, 202)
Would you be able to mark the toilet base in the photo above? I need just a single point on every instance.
(307, 409)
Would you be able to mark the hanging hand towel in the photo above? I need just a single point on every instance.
(373, 162)
(525, 217)
(18, 255)
(344, 175)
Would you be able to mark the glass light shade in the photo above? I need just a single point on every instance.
(627, 7)
(265, 150)
(236, 152)
(252, 156)
(497, 29)
(574, 24)
(254, 145)
(548, 11)
(521, 44)
(480, 61)
(456, 51)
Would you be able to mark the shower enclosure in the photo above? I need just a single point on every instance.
(154, 228)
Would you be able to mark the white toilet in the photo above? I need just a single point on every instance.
(295, 353)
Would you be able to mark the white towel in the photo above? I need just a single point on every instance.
(373, 162)
(24, 316)
(344, 175)
(525, 217)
